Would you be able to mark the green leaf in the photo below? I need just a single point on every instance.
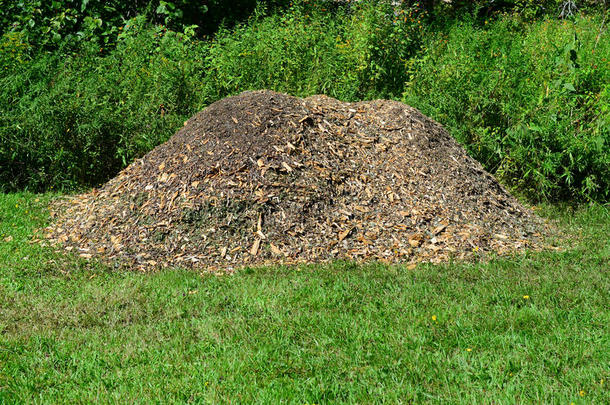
(569, 87)
(161, 9)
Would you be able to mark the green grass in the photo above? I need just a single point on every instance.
(71, 331)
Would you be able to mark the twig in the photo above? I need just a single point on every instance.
(568, 9)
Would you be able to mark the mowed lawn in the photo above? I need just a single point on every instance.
(531, 328)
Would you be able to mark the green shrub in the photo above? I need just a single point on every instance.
(66, 24)
(527, 9)
(349, 54)
(293, 52)
(75, 121)
(531, 102)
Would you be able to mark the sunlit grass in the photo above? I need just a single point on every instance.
(532, 328)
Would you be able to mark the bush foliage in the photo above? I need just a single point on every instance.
(528, 98)
(67, 23)
(75, 121)
(530, 101)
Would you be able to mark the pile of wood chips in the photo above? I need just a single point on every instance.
(264, 177)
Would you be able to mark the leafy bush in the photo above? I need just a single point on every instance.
(67, 24)
(529, 101)
(350, 54)
(69, 122)
(293, 52)
(60, 23)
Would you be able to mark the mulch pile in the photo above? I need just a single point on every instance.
(264, 177)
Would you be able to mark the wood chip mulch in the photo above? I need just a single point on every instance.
(264, 178)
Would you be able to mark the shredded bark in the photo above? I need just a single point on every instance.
(264, 178)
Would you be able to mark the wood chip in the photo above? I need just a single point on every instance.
(275, 250)
(343, 234)
(255, 247)
(439, 229)
(415, 240)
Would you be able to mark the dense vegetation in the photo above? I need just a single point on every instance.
(87, 86)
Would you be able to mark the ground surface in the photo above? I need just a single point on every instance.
(532, 328)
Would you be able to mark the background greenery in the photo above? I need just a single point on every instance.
(87, 86)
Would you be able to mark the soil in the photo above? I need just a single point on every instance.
(264, 177)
